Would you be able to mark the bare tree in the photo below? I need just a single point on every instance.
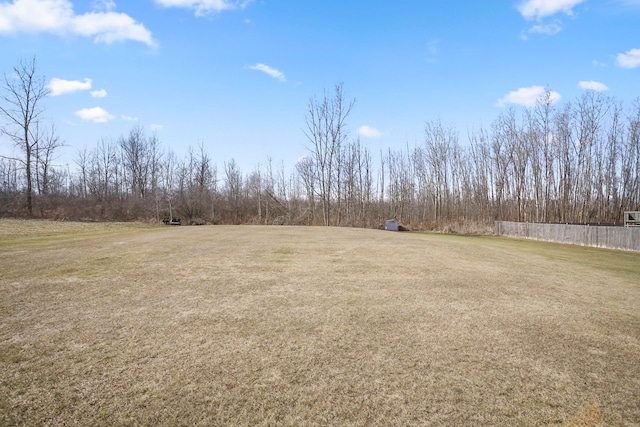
(357, 183)
(326, 131)
(45, 151)
(500, 164)
(590, 112)
(254, 188)
(609, 200)
(364, 181)
(82, 161)
(233, 188)
(9, 179)
(24, 91)
(540, 138)
(194, 186)
(440, 149)
(136, 158)
(104, 170)
(563, 145)
(630, 174)
(480, 158)
(167, 177)
(401, 186)
(307, 173)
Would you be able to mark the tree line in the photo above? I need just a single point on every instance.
(576, 162)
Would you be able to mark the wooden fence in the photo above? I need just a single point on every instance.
(623, 238)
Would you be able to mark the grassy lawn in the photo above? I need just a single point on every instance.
(307, 326)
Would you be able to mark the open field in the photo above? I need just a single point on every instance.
(309, 326)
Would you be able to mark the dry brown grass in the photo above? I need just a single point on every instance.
(589, 417)
(259, 325)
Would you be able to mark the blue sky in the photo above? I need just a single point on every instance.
(236, 75)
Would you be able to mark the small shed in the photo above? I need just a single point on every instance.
(391, 225)
(632, 218)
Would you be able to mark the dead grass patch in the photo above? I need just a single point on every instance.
(588, 417)
(260, 325)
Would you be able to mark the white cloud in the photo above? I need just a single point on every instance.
(129, 118)
(95, 115)
(527, 96)
(60, 86)
(155, 127)
(105, 5)
(109, 27)
(591, 85)
(276, 74)
(537, 9)
(630, 59)
(58, 17)
(369, 132)
(547, 29)
(99, 93)
(203, 7)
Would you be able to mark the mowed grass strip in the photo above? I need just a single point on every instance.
(16, 231)
(307, 326)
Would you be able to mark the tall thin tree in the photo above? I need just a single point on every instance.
(21, 108)
(326, 131)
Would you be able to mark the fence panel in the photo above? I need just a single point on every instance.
(624, 238)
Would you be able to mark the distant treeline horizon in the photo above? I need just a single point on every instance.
(571, 162)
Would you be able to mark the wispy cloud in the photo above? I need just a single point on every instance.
(630, 59)
(204, 7)
(106, 5)
(549, 29)
(527, 96)
(591, 85)
(628, 3)
(155, 127)
(60, 86)
(538, 9)
(369, 132)
(58, 17)
(101, 93)
(129, 118)
(95, 115)
(433, 48)
(276, 74)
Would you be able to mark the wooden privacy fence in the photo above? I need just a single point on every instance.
(624, 238)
